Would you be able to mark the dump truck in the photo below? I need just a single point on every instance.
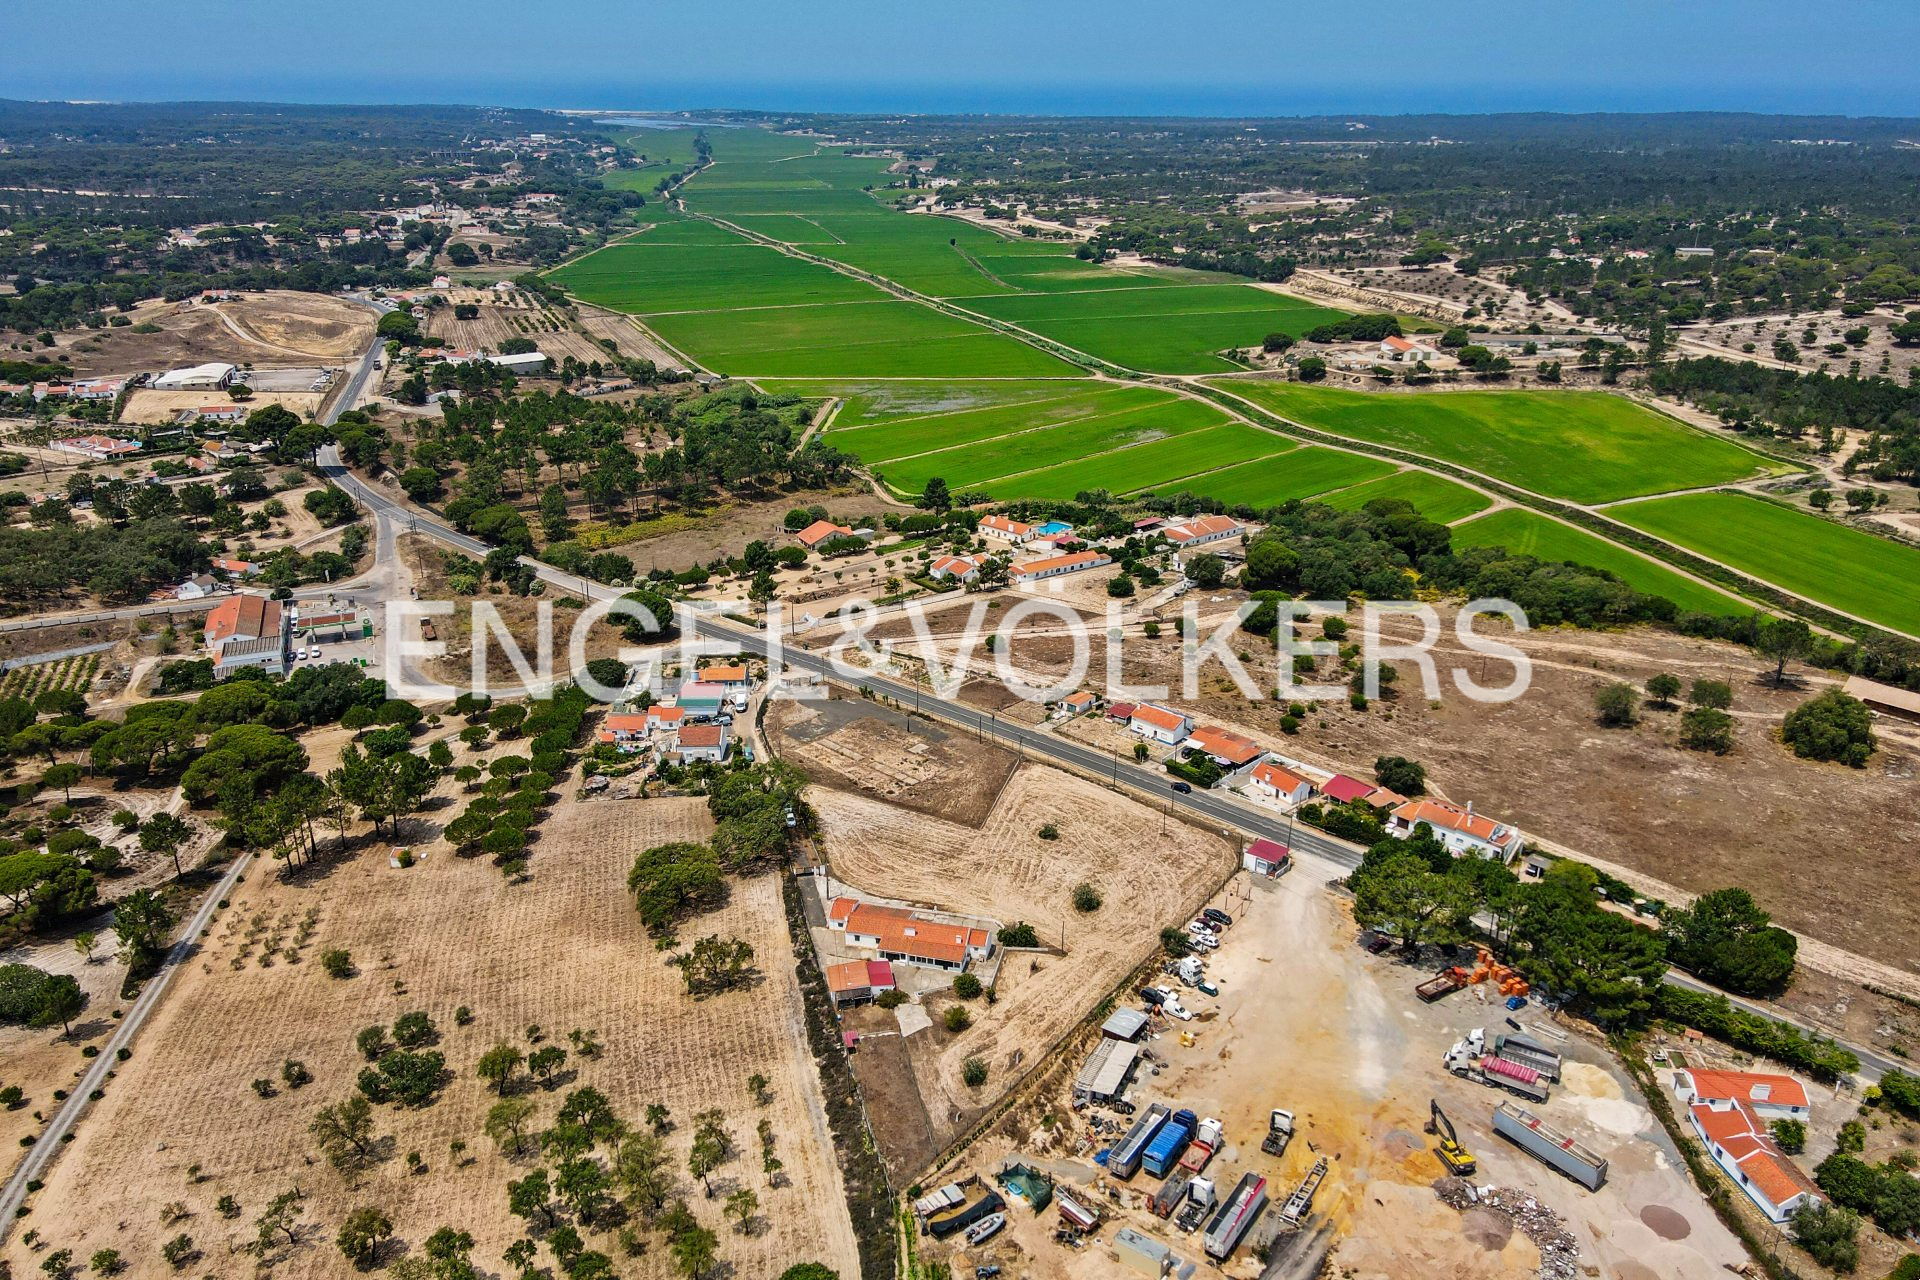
(1168, 1145)
(1529, 1053)
(1495, 1072)
(1279, 1132)
(1443, 983)
(1548, 1145)
(1237, 1214)
(1124, 1159)
(1206, 1140)
(1172, 1193)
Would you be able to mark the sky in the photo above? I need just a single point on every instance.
(1095, 57)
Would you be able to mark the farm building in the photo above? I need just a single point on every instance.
(858, 981)
(699, 700)
(1401, 351)
(959, 568)
(907, 937)
(819, 531)
(704, 742)
(1739, 1143)
(1124, 1024)
(1107, 1071)
(1772, 1097)
(99, 448)
(199, 377)
(1160, 724)
(1055, 566)
(1228, 750)
(1461, 830)
(1202, 530)
(1902, 704)
(524, 362)
(1344, 790)
(1004, 529)
(1277, 782)
(1267, 858)
(1076, 704)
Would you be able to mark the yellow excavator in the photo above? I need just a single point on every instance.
(1458, 1160)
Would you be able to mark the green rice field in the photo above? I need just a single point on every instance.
(1869, 577)
(1578, 445)
(883, 339)
(1435, 497)
(1299, 472)
(1529, 533)
(1147, 466)
(973, 465)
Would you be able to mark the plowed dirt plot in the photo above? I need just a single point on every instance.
(1004, 871)
(563, 950)
(857, 746)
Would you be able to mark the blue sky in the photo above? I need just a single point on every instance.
(1062, 56)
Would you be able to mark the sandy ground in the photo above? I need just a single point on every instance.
(1003, 870)
(268, 328)
(445, 933)
(855, 745)
(148, 406)
(1309, 1022)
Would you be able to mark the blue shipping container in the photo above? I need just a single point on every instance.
(1167, 1148)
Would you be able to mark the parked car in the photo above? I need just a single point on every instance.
(1218, 916)
(1203, 942)
(1184, 788)
(1200, 924)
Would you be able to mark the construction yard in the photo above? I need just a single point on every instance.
(992, 861)
(1309, 1022)
(565, 951)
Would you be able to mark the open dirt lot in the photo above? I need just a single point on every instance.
(148, 406)
(1003, 870)
(277, 326)
(445, 933)
(854, 745)
(1307, 1021)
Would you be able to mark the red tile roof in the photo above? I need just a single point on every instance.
(819, 531)
(1004, 526)
(703, 735)
(908, 934)
(665, 715)
(1061, 564)
(1158, 717)
(1268, 850)
(735, 674)
(1742, 1134)
(624, 722)
(246, 616)
(1342, 788)
(1204, 527)
(1451, 817)
(1217, 742)
(1278, 777)
(1747, 1086)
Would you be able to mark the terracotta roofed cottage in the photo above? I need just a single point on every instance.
(1228, 750)
(1159, 723)
(1460, 829)
(1277, 782)
(1054, 566)
(819, 531)
(1772, 1096)
(1737, 1139)
(907, 937)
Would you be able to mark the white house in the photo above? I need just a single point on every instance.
(1772, 1097)
(1006, 530)
(907, 937)
(959, 568)
(1739, 1143)
(1461, 830)
(1160, 724)
(1201, 530)
(99, 448)
(1268, 858)
(1402, 351)
(1055, 566)
(706, 742)
(1272, 781)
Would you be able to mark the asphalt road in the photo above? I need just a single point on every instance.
(1215, 808)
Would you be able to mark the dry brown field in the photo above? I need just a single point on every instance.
(275, 327)
(510, 315)
(147, 406)
(563, 950)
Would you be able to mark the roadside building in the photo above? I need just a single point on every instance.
(1737, 1139)
(521, 363)
(1160, 723)
(198, 587)
(248, 631)
(1344, 790)
(199, 377)
(699, 700)
(1266, 858)
(237, 568)
(702, 742)
(907, 937)
(1120, 712)
(1228, 750)
(1383, 801)
(1055, 566)
(1004, 529)
(959, 568)
(858, 981)
(624, 731)
(727, 677)
(1078, 704)
(1201, 530)
(819, 531)
(1461, 830)
(1277, 782)
(1772, 1096)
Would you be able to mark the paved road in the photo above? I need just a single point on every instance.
(1216, 808)
(43, 1152)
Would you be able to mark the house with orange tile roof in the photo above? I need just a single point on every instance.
(702, 742)
(248, 631)
(1737, 1139)
(1228, 750)
(1078, 704)
(624, 730)
(959, 568)
(99, 448)
(1401, 350)
(1004, 529)
(908, 937)
(665, 718)
(1054, 566)
(1272, 781)
(819, 531)
(1772, 1096)
(1201, 530)
(729, 676)
(1460, 829)
(1160, 724)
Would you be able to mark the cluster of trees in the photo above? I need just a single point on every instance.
(1831, 726)
(503, 819)
(750, 805)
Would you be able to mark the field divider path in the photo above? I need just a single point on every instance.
(1014, 435)
(1702, 569)
(51, 1141)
